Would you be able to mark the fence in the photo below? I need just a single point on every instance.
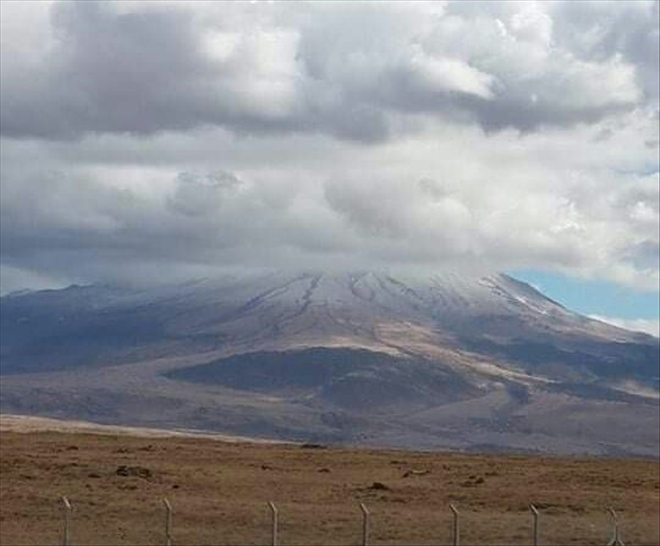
(67, 533)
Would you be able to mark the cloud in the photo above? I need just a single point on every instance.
(170, 139)
(601, 30)
(483, 207)
(260, 69)
(648, 326)
(143, 71)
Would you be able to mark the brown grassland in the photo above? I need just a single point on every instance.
(220, 490)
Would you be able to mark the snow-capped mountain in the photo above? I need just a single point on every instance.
(446, 360)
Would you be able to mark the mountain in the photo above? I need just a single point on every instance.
(443, 361)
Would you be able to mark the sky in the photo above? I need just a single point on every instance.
(152, 140)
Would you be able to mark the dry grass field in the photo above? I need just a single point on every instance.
(219, 492)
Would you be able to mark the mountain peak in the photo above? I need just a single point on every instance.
(330, 353)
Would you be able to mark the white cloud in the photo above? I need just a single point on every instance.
(648, 326)
(445, 74)
(15, 279)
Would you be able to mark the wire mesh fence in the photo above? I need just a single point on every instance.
(460, 528)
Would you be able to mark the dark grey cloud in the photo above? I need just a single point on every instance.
(70, 226)
(75, 225)
(104, 72)
(136, 72)
(345, 71)
(603, 30)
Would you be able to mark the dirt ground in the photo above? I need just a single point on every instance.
(219, 492)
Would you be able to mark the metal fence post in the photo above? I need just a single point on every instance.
(456, 527)
(273, 510)
(536, 523)
(365, 524)
(168, 522)
(616, 539)
(66, 539)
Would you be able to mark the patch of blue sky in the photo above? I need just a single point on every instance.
(592, 297)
